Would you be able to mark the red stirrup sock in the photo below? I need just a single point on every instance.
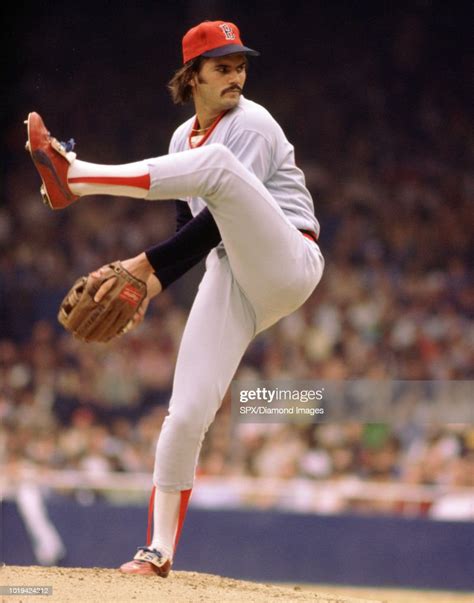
(168, 510)
(127, 180)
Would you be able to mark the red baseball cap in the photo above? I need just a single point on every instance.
(213, 39)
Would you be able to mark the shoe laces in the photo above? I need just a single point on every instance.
(150, 550)
(69, 145)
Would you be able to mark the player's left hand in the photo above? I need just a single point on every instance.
(101, 321)
(140, 268)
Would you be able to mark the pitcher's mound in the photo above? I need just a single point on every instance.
(76, 585)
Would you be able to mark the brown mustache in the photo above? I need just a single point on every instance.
(232, 88)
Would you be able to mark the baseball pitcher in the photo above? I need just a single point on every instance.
(242, 202)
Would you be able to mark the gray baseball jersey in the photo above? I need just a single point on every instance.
(256, 139)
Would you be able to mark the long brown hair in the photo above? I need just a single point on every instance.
(179, 85)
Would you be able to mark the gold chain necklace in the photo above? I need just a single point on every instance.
(198, 130)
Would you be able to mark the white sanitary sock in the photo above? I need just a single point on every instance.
(128, 180)
(165, 521)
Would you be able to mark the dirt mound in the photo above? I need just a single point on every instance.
(75, 585)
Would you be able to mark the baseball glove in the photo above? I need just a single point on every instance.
(101, 321)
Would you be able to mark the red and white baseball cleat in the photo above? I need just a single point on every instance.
(52, 159)
(147, 562)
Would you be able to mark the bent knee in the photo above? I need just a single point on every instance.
(224, 168)
(221, 154)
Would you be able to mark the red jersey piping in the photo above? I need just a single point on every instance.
(208, 133)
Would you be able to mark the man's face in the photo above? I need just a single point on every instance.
(219, 83)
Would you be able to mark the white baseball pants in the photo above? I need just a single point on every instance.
(269, 270)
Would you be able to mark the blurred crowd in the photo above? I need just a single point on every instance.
(382, 129)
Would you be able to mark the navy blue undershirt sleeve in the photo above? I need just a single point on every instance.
(194, 239)
(183, 214)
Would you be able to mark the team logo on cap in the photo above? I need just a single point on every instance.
(228, 31)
